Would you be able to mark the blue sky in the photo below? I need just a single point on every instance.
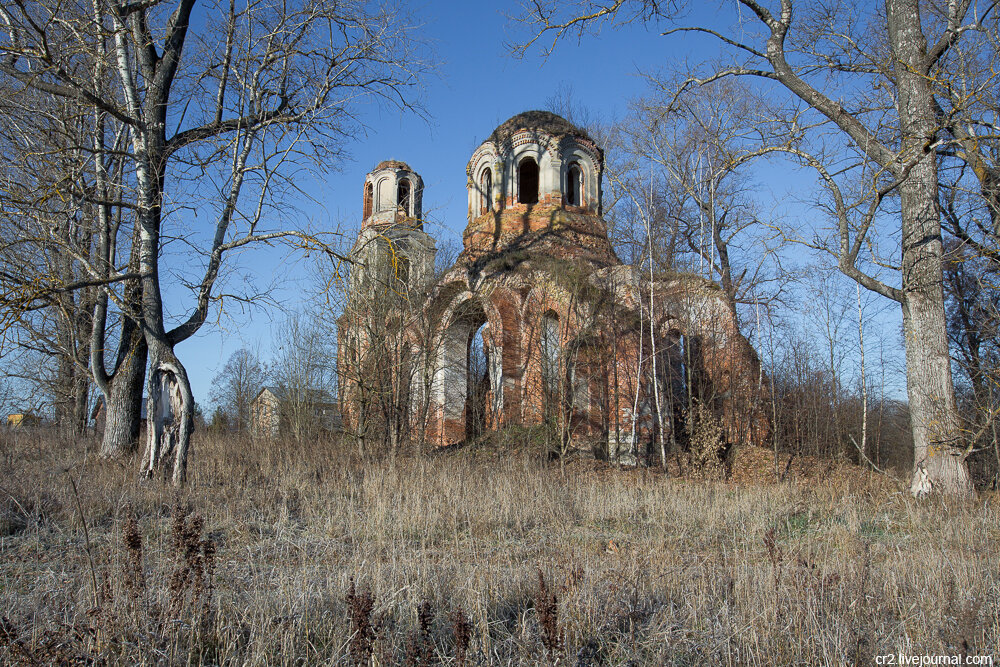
(476, 86)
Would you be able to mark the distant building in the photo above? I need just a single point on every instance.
(276, 411)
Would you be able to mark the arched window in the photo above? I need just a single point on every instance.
(462, 377)
(527, 181)
(381, 195)
(574, 186)
(486, 188)
(550, 351)
(477, 406)
(550, 357)
(403, 196)
(368, 200)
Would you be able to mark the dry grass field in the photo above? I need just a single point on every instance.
(302, 554)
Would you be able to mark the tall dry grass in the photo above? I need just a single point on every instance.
(302, 554)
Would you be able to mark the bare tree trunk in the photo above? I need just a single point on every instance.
(72, 391)
(864, 380)
(652, 339)
(123, 407)
(123, 389)
(169, 415)
(633, 440)
(939, 460)
(996, 441)
(169, 403)
(81, 401)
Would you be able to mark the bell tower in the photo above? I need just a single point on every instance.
(393, 194)
(391, 270)
(393, 253)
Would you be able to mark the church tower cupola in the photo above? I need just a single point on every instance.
(393, 255)
(536, 158)
(393, 194)
(536, 183)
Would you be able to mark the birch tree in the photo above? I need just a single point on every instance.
(304, 369)
(220, 109)
(689, 156)
(61, 224)
(236, 385)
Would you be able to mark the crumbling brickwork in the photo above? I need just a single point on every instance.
(565, 333)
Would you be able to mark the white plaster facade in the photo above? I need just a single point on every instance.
(392, 250)
(555, 147)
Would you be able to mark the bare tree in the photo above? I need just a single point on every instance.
(273, 87)
(47, 320)
(236, 385)
(874, 78)
(971, 287)
(60, 238)
(387, 352)
(304, 369)
(685, 173)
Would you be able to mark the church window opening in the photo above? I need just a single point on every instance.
(477, 404)
(527, 181)
(549, 344)
(574, 186)
(486, 186)
(403, 196)
(368, 200)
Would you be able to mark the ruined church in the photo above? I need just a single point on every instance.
(538, 321)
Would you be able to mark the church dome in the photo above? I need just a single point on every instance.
(393, 193)
(392, 164)
(539, 121)
(535, 158)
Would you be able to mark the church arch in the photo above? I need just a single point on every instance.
(527, 181)
(486, 191)
(585, 190)
(574, 185)
(382, 194)
(468, 383)
(368, 200)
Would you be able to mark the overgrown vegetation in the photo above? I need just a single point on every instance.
(302, 553)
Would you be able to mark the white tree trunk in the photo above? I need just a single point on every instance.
(169, 417)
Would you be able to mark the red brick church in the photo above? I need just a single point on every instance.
(538, 320)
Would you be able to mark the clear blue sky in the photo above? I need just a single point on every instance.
(477, 86)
